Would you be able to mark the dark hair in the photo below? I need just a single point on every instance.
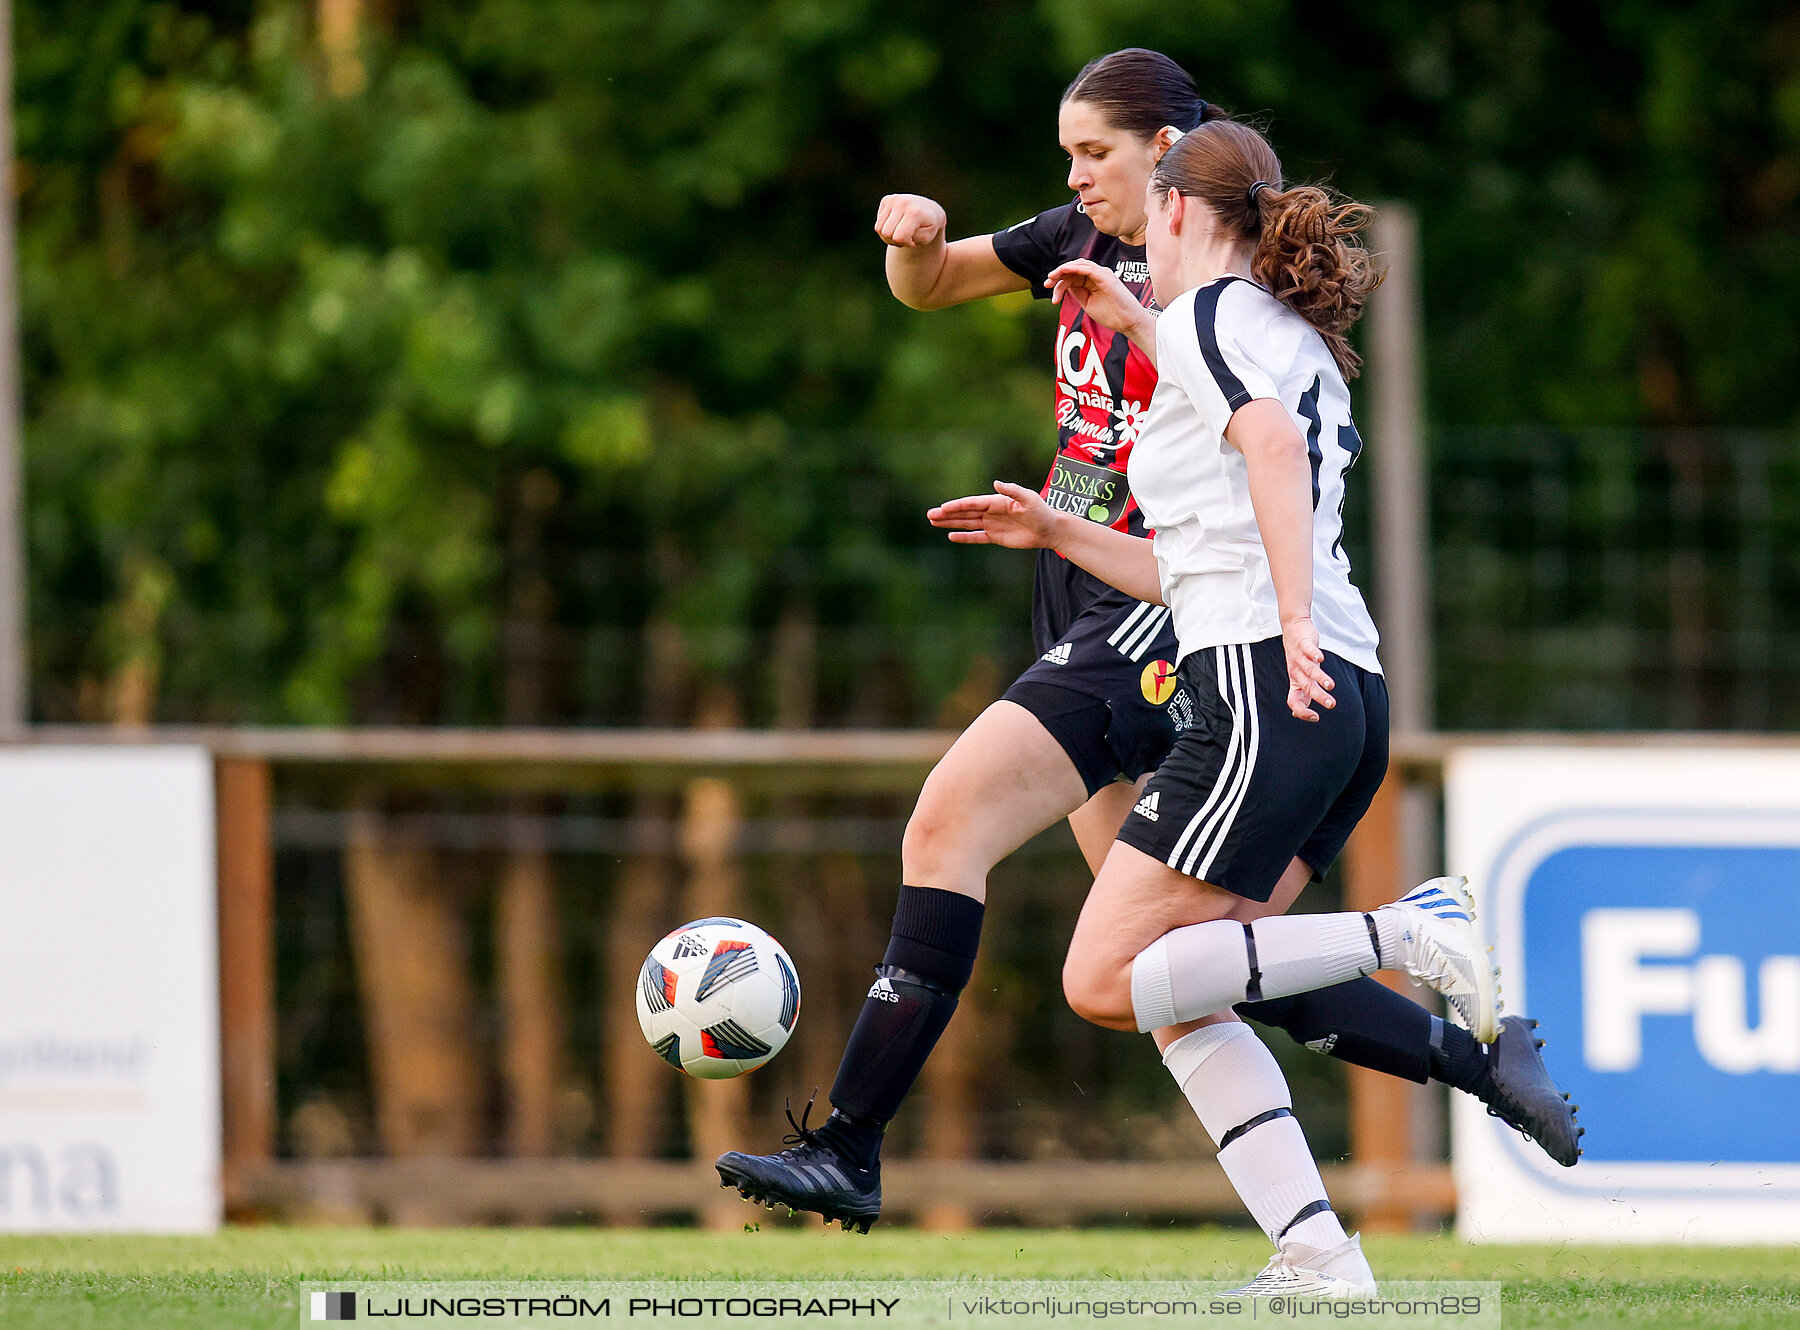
(1141, 91)
(1307, 251)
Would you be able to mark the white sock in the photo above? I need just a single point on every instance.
(1231, 1079)
(1299, 952)
(1389, 924)
(1204, 969)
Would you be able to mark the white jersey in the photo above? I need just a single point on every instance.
(1218, 347)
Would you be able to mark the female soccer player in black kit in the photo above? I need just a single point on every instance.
(1077, 732)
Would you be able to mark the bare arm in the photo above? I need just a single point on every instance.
(1020, 519)
(1281, 493)
(1119, 560)
(925, 271)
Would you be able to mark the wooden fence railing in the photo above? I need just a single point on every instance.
(702, 772)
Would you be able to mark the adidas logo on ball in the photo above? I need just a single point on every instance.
(717, 997)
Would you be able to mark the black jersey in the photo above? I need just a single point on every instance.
(1103, 388)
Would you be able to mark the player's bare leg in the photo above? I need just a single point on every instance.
(1228, 1075)
(1004, 780)
(1154, 946)
(1096, 823)
(1135, 900)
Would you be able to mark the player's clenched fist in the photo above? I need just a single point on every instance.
(909, 220)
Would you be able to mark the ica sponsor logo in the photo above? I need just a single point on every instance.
(1158, 682)
(1081, 376)
(1078, 362)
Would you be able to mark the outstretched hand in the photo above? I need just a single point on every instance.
(1307, 680)
(1012, 516)
(1100, 295)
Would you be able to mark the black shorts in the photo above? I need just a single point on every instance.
(1249, 787)
(1108, 692)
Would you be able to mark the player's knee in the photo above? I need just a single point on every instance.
(1098, 994)
(926, 844)
(938, 844)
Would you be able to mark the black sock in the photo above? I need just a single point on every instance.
(928, 961)
(858, 1143)
(1363, 1022)
(1456, 1059)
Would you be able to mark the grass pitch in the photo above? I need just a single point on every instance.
(250, 1277)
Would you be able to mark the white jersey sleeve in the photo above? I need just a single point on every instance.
(1220, 361)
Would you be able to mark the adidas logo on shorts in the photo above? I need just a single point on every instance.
(1058, 654)
(1146, 807)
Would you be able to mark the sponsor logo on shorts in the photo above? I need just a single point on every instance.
(1146, 807)
(1181, 710)
(1324, 1045)
(1158, 682)
(1058, 654)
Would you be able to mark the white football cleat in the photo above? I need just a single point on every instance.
(1299, 1270)
(1438, 946)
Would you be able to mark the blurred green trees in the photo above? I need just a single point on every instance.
(408, 360)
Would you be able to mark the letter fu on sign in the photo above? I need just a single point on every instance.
(1638, 963)
(1645, 906)
(109, 1028)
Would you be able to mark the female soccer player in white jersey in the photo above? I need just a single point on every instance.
(1240, 472)
(1099, 709)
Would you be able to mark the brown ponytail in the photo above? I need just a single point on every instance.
(1307, 252)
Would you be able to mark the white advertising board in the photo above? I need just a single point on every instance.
(109, 1027)
(1645, 905)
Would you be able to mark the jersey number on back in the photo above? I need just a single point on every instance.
(1347, 439)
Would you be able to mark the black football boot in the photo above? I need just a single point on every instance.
(1521, 1094)
(810, 1175)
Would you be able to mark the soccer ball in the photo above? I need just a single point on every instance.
(717, 998)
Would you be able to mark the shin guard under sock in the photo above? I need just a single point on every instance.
(928, 961)
(1363, 1022)
(1241, 1098)
(1203, 969)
